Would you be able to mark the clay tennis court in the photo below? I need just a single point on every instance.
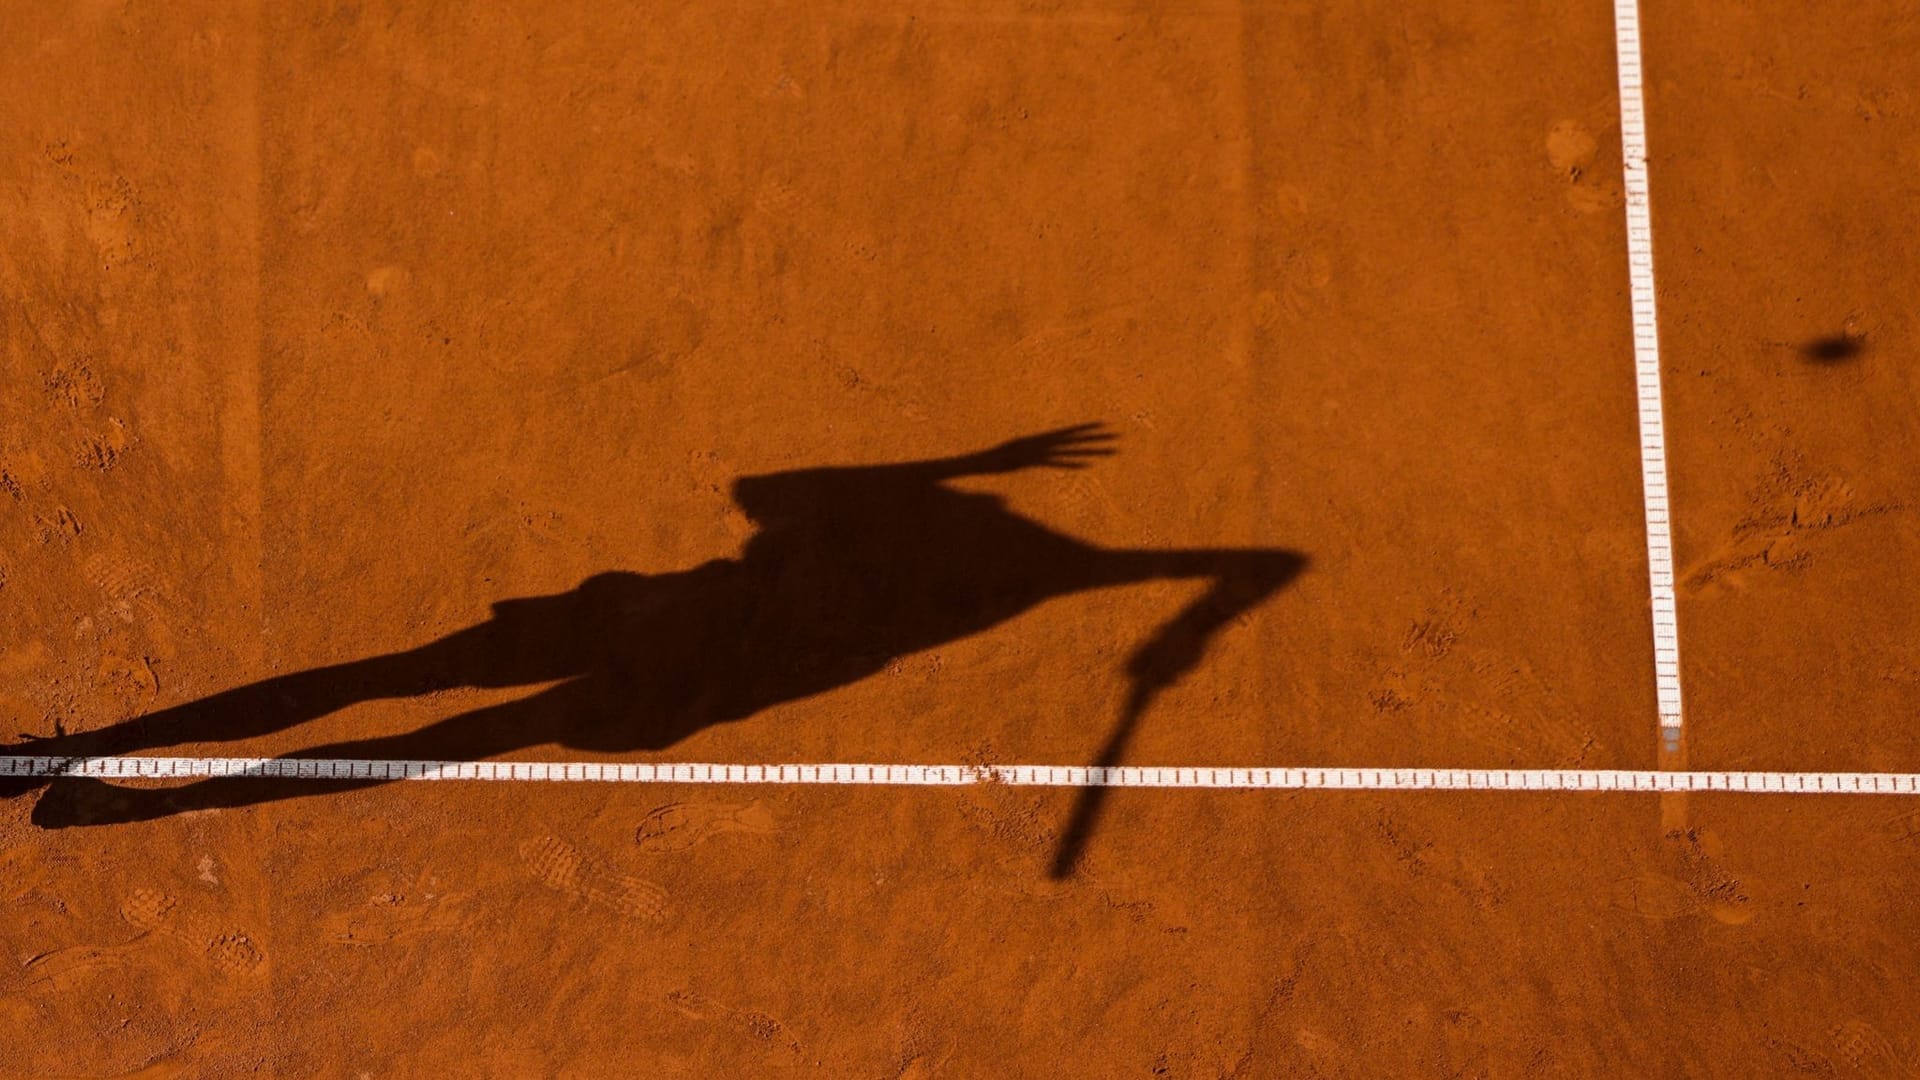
(954, 389)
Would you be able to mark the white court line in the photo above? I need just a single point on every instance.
(1067, 776)
(1646, 364)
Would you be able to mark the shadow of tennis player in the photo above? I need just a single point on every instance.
(850, 568)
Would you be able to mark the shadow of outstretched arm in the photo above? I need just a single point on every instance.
(1242, 579)
(773, 498)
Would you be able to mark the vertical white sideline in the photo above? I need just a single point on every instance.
(1646, 363)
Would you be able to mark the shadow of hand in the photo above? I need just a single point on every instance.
(1073, 447)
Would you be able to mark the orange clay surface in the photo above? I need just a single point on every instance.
(325, 328)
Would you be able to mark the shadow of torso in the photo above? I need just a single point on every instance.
(842, 578)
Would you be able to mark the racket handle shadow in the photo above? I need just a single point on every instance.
(1092, 798)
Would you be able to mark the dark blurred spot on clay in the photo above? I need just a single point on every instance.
(1834, 349)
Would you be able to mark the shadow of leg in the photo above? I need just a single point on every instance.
(482, 733)
(283, 701)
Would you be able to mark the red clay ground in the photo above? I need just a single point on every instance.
(328, 327)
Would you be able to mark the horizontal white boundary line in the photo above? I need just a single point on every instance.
(1071, 776)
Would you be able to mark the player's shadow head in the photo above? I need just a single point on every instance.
(851, 568)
